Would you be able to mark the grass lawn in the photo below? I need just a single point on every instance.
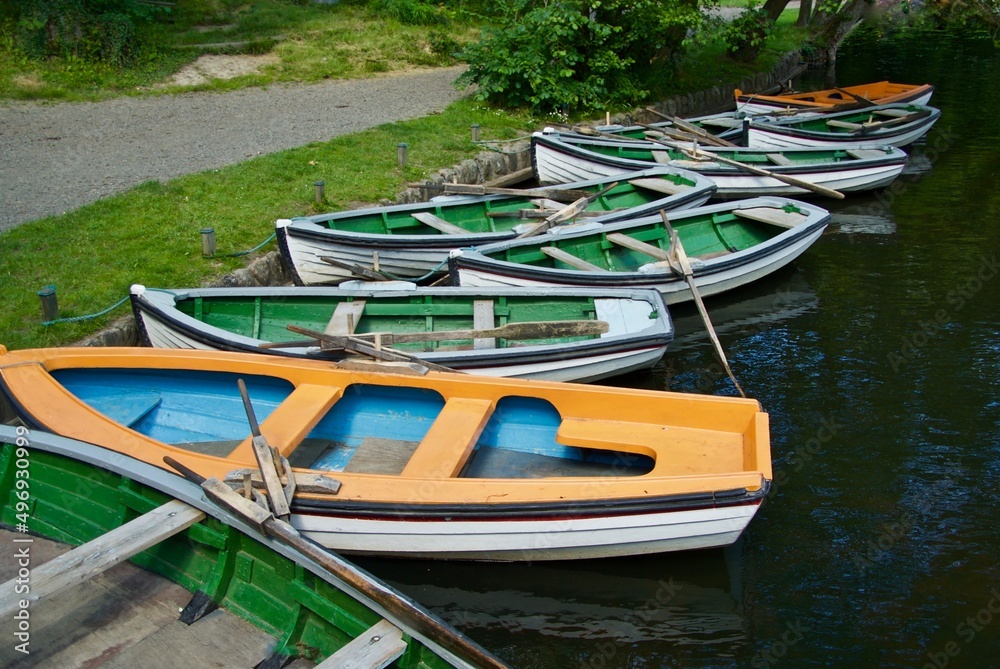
(150, 234)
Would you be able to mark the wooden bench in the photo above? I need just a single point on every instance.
(439, 223)
(345, 318)
(659, 185)
(866, 154)
(570, 259)
(292, 420)
(834, 123)
(637, 245)
(482, 319)
(771, 216)
(449, 442)
(778, 159)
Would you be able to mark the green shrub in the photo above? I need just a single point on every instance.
(573, 56)
(411, 12)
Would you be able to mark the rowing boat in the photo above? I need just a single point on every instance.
(731, 244)
(412, 241)
(538, 334)
(557, 157)
(879, 93)
(433, 465)
(898, 125)
(316, 608)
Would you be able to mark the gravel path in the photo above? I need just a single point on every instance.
(57, 157)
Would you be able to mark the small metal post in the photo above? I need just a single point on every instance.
(320, 188)
(475, 132)
(50, 303)
(401, 154)
(208, 242)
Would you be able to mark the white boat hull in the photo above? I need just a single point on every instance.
(526, 540)
(551, 363)
(756, 107)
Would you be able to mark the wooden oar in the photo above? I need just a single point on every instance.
(680, 256)
(557, 194)
(511, 331)
(536, 330)
(371, 349)
(865, 127)
(545, 213)
(862, 100)
(693, 152)
(566, 214)
(356, 270)
(691, 128)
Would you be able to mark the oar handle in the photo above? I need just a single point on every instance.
(251, 416)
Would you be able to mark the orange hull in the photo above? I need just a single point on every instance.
(880, 92)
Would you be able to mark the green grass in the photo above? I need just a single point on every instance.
(150, 234)
(307, 42)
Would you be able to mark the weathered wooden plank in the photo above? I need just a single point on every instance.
(778, 159)
(834, 123)
(779, 217)
(376, 648)
(345, 318)
(659, 185)
(482, 319)
(865, 154)
(570, 259)
(377, 455)
(439, 223)
(662, 157)
(94, 557)
(638, 245)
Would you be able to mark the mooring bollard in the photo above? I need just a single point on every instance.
(50, 303)
(319, 187)
(207, 242)
(474, 128)
(401, 154)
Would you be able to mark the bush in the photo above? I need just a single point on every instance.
(573, 56)
(410, 12)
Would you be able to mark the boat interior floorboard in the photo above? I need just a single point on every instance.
(123, 618)
(502, 463)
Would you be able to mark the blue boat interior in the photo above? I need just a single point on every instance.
(372, 428)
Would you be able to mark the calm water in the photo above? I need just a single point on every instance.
(878, 357)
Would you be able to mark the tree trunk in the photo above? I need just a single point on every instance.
(749, 47)
(805, 13)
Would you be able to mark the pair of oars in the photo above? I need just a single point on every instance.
(696, 154)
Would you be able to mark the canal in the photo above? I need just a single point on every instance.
(877, 356)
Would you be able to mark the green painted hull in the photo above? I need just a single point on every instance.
(73, 501)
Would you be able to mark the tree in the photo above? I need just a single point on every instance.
(831, 22)
(748, 32)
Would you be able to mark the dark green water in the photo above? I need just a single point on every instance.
(878, 357)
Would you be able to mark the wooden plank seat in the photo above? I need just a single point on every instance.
(897, 113)
(449, 442)
(292, 420)
(637, 245)
(834, 123)
(570, 259)
(439, 224)
(770, 215)
(865, 154)
(659, 185)
(375, 648)
(778, 159)
(482, 319)
(345, 318)
(693, 450)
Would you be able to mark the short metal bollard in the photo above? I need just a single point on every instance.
(320, 188)
(474, 128)
(208, 242)
(401, 154)
(50, 303)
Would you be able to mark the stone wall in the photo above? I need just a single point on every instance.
(268, 270)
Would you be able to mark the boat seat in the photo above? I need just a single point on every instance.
(866, 154)
(778, 159)
(570, 259)
(292, 420)
(690, 451)
(898, 113)
(449, 442)
(483, 319)
(771, 216)
(637, 245)
(664, 186)
(847, 125)
(439, 224)
(345, 318)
